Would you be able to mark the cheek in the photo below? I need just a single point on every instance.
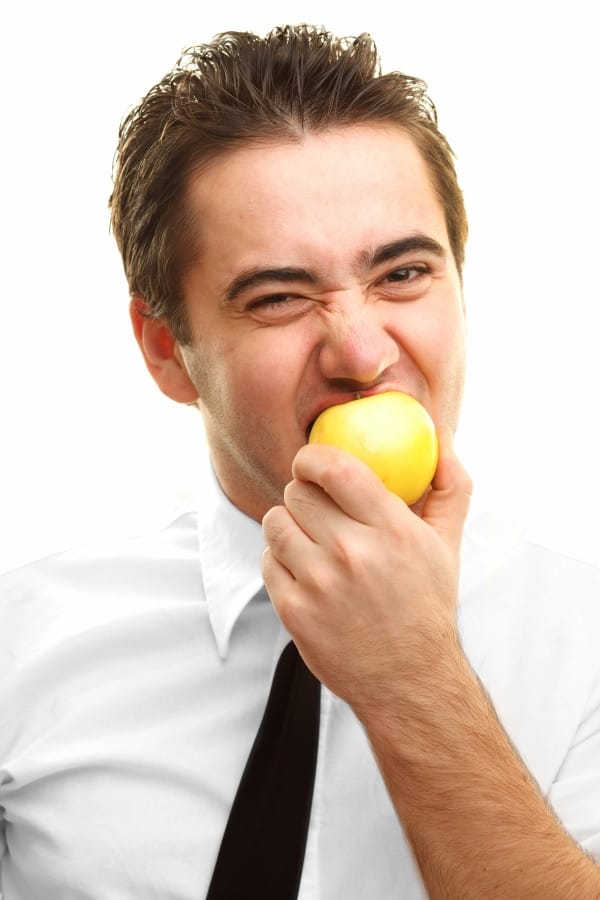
(433, 341)
(436, 345)
(443, 332)
(262, 370)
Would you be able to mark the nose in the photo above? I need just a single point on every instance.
(357, 348)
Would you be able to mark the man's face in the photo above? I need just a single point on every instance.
(324, 271)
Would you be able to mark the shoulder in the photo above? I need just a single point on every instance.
(500, 560)
(528, 611)
(48, 599)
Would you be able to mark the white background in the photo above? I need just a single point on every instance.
(87, 442)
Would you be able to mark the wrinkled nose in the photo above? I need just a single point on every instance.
(357, 349)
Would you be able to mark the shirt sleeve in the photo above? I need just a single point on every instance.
(575, 792)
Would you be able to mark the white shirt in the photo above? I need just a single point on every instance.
(133, 678)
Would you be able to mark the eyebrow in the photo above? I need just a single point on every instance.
(371, 258)
(367, 260)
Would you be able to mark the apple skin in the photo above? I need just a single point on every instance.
(391, 432)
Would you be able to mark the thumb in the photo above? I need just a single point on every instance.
(448, 501)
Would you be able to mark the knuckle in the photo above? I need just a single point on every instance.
(352, 556)
(317, 580)
(289, 609)
(293, 614)
(468, 485)
(300, 499)
(267, 563)
(276, 526)
(290, 491)
(340, 468)
(463, 480)
(464, 483)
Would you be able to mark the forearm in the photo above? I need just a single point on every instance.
(369, 590)
(477, 822)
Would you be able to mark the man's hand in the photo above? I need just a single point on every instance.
(366, 587)
(368, 590)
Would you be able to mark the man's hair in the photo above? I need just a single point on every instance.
(244, 89)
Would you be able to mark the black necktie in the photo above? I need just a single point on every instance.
(262, 850)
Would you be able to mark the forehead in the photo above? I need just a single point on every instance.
(324, 195)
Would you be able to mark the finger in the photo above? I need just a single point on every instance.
(288, 543)
(314, 511)
(278, 580)
(448, 501)
(350, 483)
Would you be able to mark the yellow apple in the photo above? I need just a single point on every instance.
(391, 432)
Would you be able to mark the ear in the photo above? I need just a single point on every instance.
(161, 353)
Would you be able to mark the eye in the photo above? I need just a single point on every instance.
(278, 306)
(408, 273)
(272, 300)
(406, 282)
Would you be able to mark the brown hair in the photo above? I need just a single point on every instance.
(242, 88)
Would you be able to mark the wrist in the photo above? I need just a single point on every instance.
(427, 692)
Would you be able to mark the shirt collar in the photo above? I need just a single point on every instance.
(231, 545)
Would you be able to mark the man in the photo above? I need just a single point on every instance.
(293, 236)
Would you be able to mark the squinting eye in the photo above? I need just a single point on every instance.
(274, 300)
(279, 306)
(408, 273)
